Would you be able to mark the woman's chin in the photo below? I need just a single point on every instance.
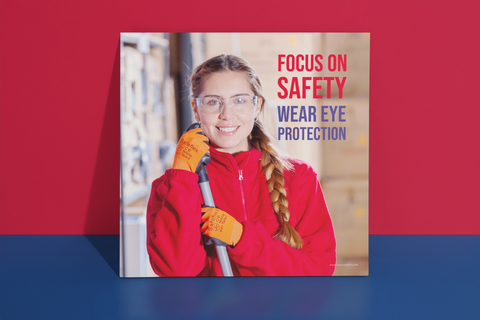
(230, 146)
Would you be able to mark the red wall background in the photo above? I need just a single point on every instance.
(59, 104)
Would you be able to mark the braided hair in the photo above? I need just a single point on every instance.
(273, 164)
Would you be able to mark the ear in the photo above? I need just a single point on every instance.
(259, 107)
(195, 110)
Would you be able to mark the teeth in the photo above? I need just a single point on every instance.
(231, 129)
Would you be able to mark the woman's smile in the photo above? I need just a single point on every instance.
(228, 130)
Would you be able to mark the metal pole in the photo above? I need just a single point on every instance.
(204, 185)
(220, 246)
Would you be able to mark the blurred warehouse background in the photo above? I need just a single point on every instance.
(155, 110)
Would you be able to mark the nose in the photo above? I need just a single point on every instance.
(226, 112)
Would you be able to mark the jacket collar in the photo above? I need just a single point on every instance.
(226, 160)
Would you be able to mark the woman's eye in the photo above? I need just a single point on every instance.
(240, 100)
(213, 102)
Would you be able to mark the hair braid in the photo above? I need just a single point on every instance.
(273, 166)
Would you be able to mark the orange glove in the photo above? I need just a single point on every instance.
(220, 225)
(192, 147)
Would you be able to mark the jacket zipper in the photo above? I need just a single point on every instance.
(240, 178)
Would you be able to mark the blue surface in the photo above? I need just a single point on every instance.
(76, 277)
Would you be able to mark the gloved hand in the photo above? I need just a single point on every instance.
(192, 147)
(220, 225)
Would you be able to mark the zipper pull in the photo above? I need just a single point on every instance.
(240, 175)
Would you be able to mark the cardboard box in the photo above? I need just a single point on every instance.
(356, 48)
(347, 202)
(348, 158)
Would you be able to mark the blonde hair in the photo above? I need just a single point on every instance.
(273, 163)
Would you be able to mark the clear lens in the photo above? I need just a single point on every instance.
(239, 104)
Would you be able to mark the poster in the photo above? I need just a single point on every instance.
(316, 87)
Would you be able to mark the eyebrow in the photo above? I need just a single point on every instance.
(216, 96)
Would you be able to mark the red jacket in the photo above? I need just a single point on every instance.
(174, 241)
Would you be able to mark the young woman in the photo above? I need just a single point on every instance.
(271, 210)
